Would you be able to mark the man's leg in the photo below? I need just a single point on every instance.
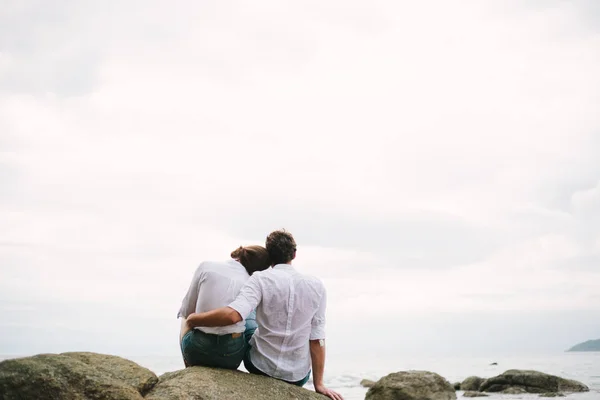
(250, 367)
(302, 382)
(251, 326)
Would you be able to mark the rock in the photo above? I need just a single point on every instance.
(411, 385)
(474, 394)
(456, 385)
(140, 378)
(558, 394)
(367, 383)
(78, 376)
(200, 383)
(472, 384)
(494, 363)
(571, 386)
(531, 382)
(514, 390)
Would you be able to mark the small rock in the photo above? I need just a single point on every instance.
(471, 384)
(552, 394)
(514, 390)
(474, 394)
(456, 385)
(531, 382)
(411, 385)
(367, 383)
(494, 363)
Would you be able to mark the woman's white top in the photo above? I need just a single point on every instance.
(215, 285)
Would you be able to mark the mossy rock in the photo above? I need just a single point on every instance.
(531, 382)
(76, 376)
(200, 383)
(412, 385)
(471, 383)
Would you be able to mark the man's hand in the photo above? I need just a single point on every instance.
(317, 356)
(328, 392)
(220, 317)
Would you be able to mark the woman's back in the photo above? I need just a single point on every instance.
(215, 285)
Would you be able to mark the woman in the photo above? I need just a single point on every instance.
(215, 285)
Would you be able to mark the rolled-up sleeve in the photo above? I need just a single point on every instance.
(188, 305)
(248, 298)
(317, 330)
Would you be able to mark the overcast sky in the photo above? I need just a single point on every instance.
(438, 163)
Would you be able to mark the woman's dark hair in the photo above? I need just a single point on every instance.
(281, 247)
(253, 258)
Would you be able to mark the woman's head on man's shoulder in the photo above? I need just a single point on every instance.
(253, 258)
(280, 248)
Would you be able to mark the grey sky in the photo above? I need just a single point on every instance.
(433, 159)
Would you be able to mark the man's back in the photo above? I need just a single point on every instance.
(290, 312)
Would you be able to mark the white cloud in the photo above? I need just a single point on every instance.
(427, 161)
(587, 201)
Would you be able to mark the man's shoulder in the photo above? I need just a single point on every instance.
(313, 280)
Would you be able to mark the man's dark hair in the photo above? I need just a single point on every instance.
(281, 247)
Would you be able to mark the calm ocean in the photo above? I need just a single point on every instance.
(344, 375)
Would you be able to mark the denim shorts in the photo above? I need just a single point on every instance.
(208, 350)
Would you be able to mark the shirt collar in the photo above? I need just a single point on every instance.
(284, 267)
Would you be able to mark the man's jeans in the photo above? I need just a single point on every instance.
(250, 328)
(221, 351)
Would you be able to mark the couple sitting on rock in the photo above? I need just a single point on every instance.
(272, 319)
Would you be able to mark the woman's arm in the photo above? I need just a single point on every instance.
(185, 328)
(188, 305)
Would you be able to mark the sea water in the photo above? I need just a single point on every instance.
(344, 373)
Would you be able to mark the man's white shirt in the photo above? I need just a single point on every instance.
(215, 285)
(290, 311)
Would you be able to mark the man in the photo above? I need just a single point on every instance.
(290, 313)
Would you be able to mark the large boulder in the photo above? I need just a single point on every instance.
(472, 383)
(200, 383)
(140, 378)
(412, 385)
(531, 382)
(75, 376)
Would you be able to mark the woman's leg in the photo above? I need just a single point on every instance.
(226, 351)
(182, 332)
